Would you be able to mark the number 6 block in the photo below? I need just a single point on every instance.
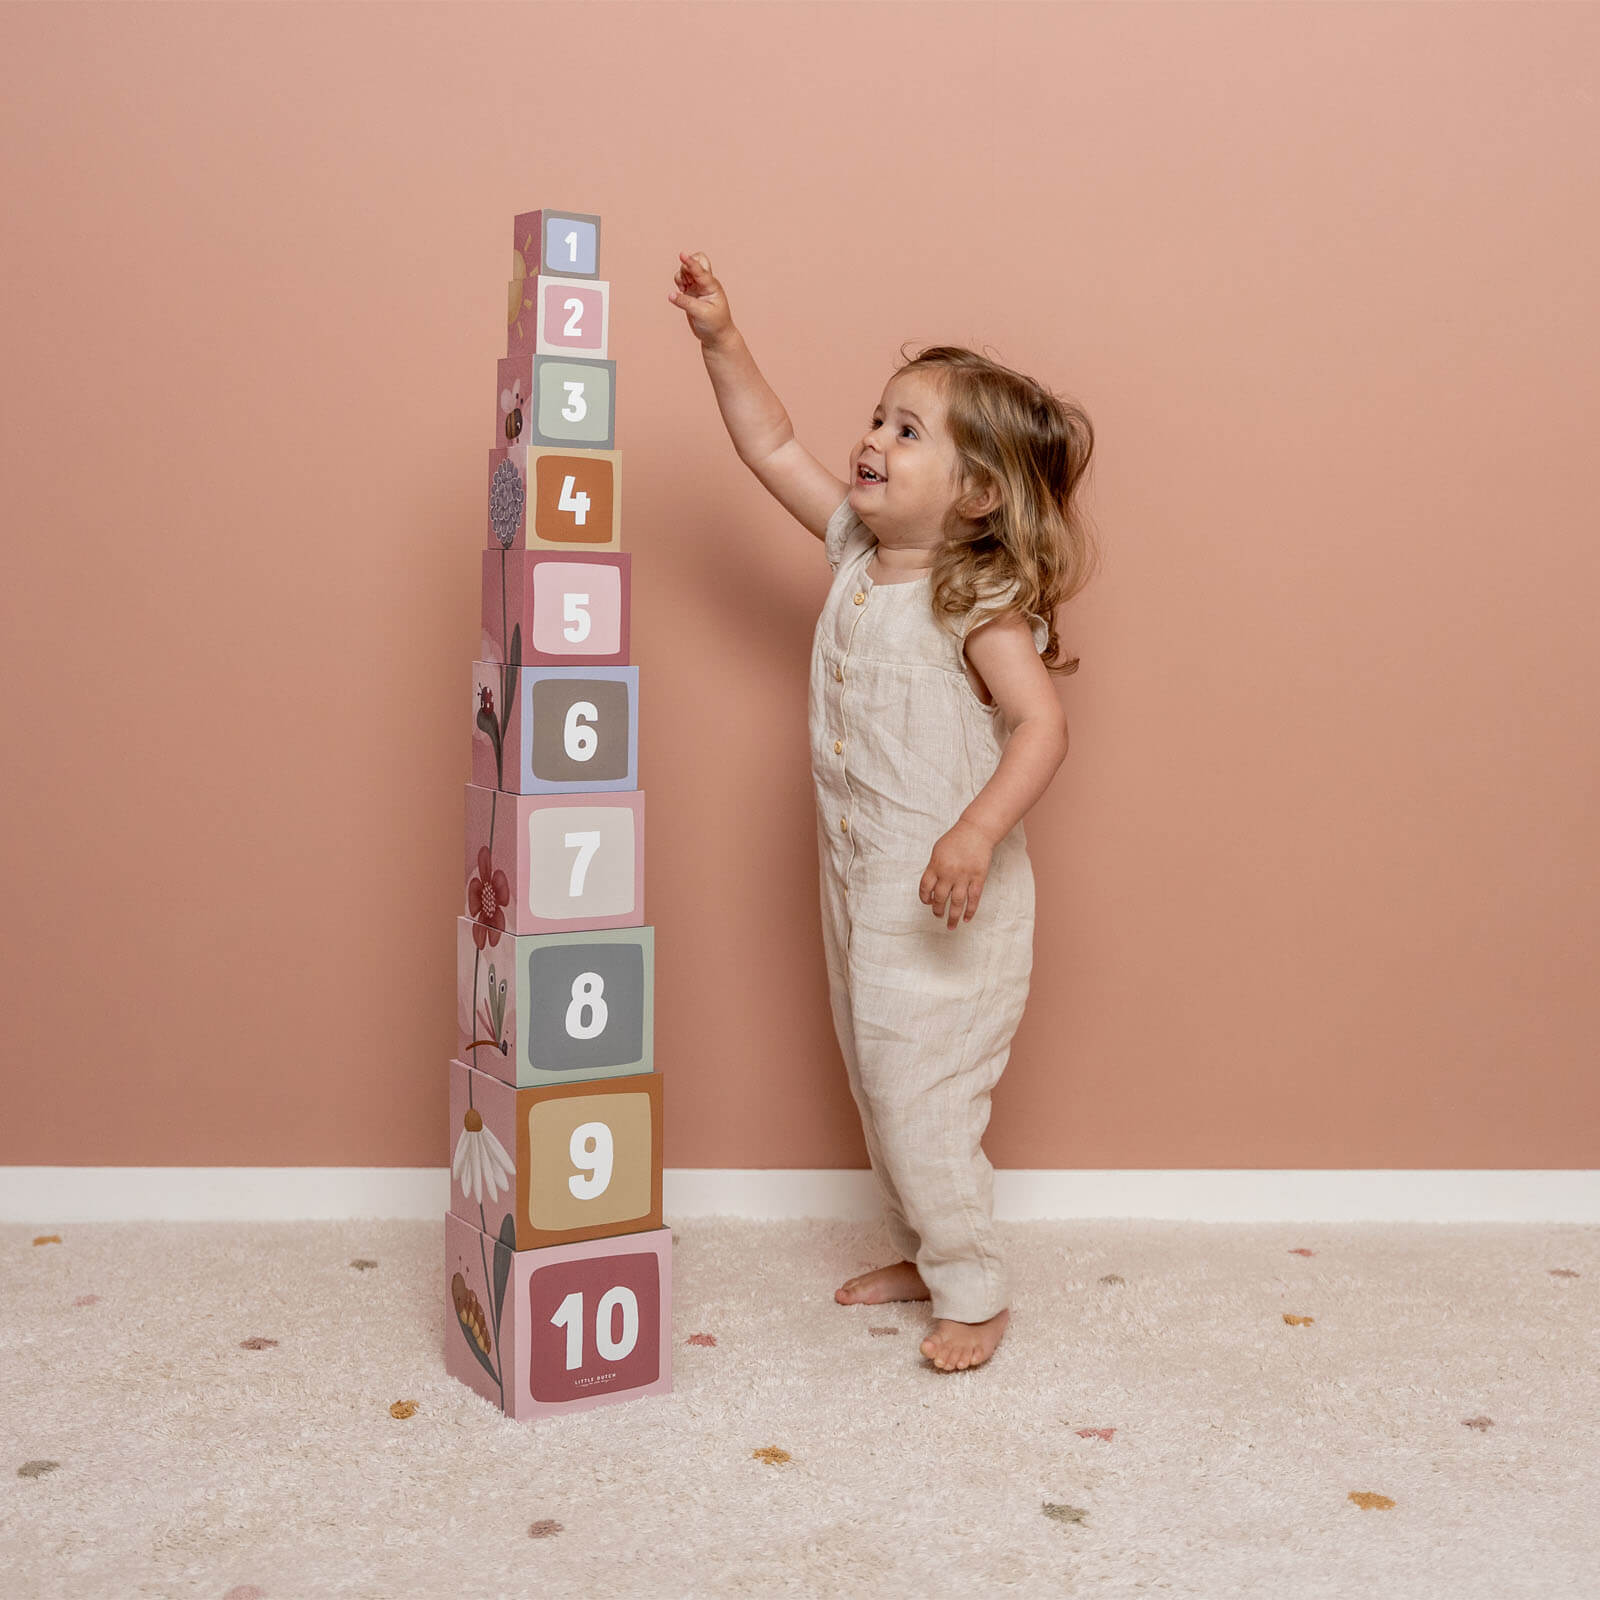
(543, 1332)
(551, 863)
(545, 1008)
(555, 730)
(576, 1161)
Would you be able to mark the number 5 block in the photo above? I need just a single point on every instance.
(543, 1332)
(544, 1008)
(577, 1161)
(565, 608)
(566, 499)
(552, 863)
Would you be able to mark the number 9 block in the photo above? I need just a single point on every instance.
(574, 1161)
(543, 1332)
(552, 863)
(552, 1008)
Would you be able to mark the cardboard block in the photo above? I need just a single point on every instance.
(535, 1009)
(574, 403)
(538, 863)
(559, 316)
(547, 498)
(555, 730)
(564, 242)
(565, 1328)
(573, 1161)
(565, 608)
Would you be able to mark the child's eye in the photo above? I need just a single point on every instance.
(905, 427)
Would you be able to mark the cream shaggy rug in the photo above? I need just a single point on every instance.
(1293, 1411)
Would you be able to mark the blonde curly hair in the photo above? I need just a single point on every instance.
(1034, 447)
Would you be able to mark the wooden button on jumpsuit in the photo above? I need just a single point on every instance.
(900, 745)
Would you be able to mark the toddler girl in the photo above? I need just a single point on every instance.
(934, 727)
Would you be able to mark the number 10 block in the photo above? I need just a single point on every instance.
(544, 1332)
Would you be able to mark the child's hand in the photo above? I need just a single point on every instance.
(956, 873)
(702, 299)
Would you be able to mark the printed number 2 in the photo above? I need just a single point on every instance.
(586, 843)
(570, 1316)
(572, 330)
(577, 503)
(576, 408)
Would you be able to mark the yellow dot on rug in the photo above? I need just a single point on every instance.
(771, 1454)
(1371, 1502)
(48, 1238)
(403, 1409)
(1296, 1322)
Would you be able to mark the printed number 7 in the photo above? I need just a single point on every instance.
(587, 842)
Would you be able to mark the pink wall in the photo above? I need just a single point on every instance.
(1317, 884)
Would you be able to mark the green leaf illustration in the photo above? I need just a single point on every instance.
(504, 1245)
(508, 687)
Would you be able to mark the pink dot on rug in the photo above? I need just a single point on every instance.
(87, 1300)
(701, 1338)
(246, 1591)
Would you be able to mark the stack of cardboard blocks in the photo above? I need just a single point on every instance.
(557, 1267)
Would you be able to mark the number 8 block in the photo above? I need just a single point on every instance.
(543, 1332)
(550, 863)
(576, 1161)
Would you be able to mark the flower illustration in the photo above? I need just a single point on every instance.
(481, 1164)
(507, 498)
(487, 895)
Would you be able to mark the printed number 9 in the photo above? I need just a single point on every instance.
(591, 1149)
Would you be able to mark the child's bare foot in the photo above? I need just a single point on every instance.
(902, 1281)
(952, 1346)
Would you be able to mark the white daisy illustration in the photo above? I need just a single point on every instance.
(481, 1166)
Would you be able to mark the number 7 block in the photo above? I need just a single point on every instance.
(543, 1332)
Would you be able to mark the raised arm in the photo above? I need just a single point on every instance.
(755, 418)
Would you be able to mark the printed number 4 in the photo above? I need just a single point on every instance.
(570, 1316)
(576, 503)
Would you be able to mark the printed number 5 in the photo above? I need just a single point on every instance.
(572, 607)
(576, 408)
(586, 843)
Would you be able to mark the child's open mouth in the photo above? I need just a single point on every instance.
(865, 474)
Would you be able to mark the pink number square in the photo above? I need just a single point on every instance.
(569, 326)
(577, 608)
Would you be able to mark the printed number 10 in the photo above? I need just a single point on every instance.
(570, 1316)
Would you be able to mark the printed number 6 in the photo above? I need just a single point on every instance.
(576, 408)
(581, 739)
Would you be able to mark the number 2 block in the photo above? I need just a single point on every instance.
(552, 863)
(559, 316)
(576, 1161)
(555, 730)
(543, 1332)
(544, 498)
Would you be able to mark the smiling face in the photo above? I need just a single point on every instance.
(903, 472)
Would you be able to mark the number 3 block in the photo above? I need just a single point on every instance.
(549, 864)
(555, 730)
(568, 499)
(577, 1161)
(568, 609)
(543, 1332)
(544, 1008)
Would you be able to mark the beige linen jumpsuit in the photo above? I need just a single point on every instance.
(900, 744)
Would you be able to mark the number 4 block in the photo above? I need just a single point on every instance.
(553, 498)
(543, 1332)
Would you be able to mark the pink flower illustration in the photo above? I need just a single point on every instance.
(487, 895)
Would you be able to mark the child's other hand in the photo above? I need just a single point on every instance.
(956, 873)
(702, 299)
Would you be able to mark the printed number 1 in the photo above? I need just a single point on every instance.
(571, 242)
(570, 1316)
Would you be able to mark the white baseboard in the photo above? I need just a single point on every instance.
(46, 1195)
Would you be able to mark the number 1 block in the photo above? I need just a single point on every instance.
(575, 1161)
(543, 1332)
(553, 863)
(567, 242)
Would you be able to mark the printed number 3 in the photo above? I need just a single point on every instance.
(576, 408)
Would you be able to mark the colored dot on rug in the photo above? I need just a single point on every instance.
(402, 1409)
(1480, 1423)
(1096, 1433)
(771, 1454)
(1064, 1513)
(246, 1591)
(1371, 1502)
(87, 1300)
(258, 1343)
(1301, 1250)
(878, 1333)
(48, 1238)
(363, 1264)
(544, 1528)
(707, 1339)
(1555, 1272)
(36, 1469)
(1297, 1322)
(1113, 1277)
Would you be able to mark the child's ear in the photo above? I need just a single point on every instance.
(978, 503)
